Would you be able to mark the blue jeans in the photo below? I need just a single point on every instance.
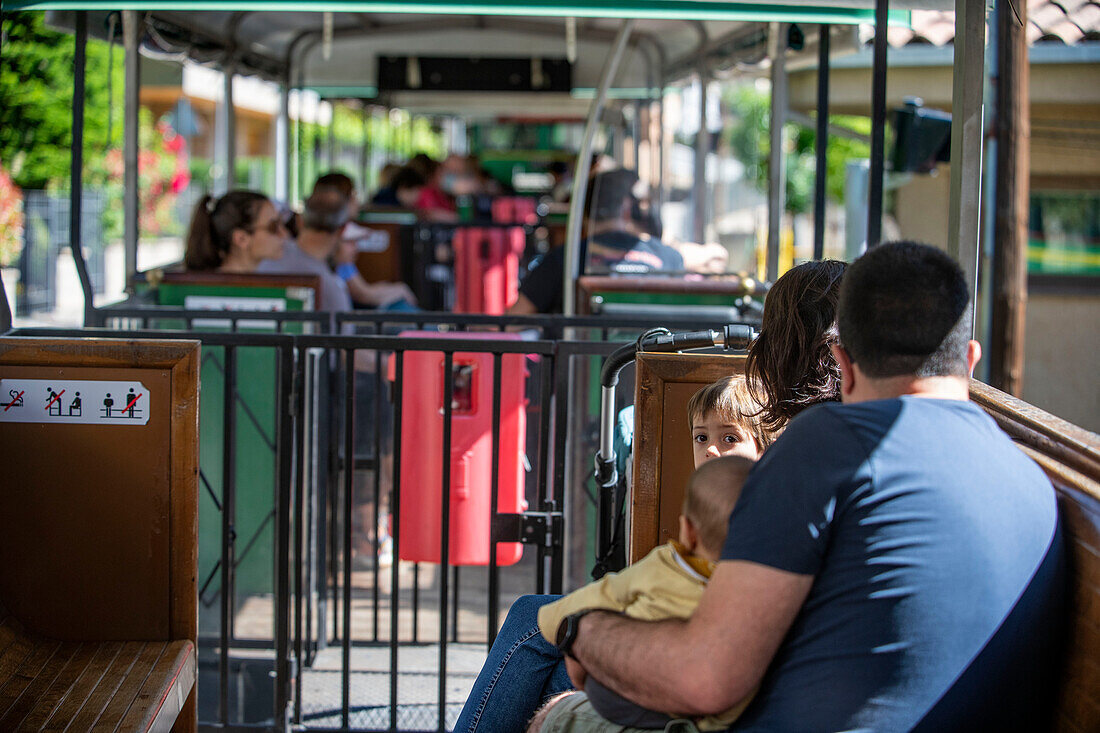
(520, 673)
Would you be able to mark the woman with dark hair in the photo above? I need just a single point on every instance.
(234, 234)
(789, 366)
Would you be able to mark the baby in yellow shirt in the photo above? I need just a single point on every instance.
(669, 581)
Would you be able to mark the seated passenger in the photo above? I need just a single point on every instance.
(323, 219)
(894, 562)
(724, 420)
(403, 190)
(369, 294)
(666, 583)
(234, 234)
(613, 244)
(433, 204)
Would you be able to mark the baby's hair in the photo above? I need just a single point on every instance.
(712, 491)
(789, 365)
(733, 401)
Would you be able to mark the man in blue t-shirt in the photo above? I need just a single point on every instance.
(894, 562)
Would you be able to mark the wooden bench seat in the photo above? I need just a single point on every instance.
(98, 543)
(46, 684)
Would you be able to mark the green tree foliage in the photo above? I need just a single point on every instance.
(748, 138)
(36, 98)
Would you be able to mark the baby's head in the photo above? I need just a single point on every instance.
(725, 421)
(711, 493)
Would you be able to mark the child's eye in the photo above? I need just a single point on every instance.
(700, 438)
(731, 439)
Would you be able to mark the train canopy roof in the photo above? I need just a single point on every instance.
(334, 47)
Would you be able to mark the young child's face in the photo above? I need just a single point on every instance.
(711, 437)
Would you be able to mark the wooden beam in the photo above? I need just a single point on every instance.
(1010, 226)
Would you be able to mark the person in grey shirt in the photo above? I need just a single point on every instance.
(323, 220)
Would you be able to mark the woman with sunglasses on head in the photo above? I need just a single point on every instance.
(234, 233)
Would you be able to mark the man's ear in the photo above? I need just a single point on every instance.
(973, 356)
(847, 373)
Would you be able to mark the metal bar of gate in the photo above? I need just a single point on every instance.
(549, 363)
(395, 512)
(878, 124)
(445, 534)
(229, 501)
(377, 475)
(284, 458)
(494, 494)
(349, 489)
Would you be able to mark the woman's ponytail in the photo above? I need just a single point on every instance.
(202, 252)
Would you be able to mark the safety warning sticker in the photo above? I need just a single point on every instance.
(90, 402)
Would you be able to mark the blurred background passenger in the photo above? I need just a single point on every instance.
(323, 220)
(403, 189)
(390, 295)
(234, 234)
(614, 243)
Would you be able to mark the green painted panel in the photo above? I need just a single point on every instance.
(655, 9)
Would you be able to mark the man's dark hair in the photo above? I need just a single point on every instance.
(406, 178)
(607, 191)
(325, 211)
(903, 311)
(336, 181)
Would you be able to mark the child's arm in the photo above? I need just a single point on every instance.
(612, 592)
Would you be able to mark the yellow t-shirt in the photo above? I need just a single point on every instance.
(666, 583)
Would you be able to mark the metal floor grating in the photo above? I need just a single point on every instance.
(369, 687)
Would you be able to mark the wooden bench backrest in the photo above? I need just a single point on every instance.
(722, 290)
(291, 288)
(1071, 458)
(97, 521)
(1069, 455)
(662, 450)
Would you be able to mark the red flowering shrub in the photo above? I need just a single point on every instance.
(11, 220)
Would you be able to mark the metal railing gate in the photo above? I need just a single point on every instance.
(309, 618)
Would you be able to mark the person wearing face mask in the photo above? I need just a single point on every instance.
(433, 203)
(234, 234)
(323, 220)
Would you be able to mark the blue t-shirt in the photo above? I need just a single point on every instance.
(936, 556)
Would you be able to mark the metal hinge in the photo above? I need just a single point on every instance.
(530, 528)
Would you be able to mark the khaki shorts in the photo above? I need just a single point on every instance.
(574, 714)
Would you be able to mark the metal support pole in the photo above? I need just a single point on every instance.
(1013, 156)
(365, 153)
(821, 140)
(878, 124)
(226, 133)
(661, 142)
(330, 141)
(702, 145)
(132, 21)
(964, 221)
(282, 143)
(777, 159)
(76, 170)
(580, 177)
